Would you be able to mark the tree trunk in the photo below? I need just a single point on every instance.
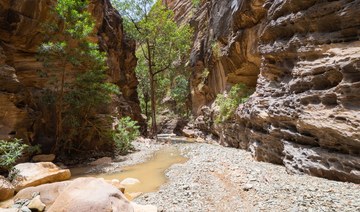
(153, 107)
(58, 108)
(153, 132)
(146, 100)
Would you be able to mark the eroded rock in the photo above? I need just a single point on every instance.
(6, 189)
(82, 194)
(90, 194)
(33, 174)
(303, 59)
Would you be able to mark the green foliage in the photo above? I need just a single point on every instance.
(78, 74)
(216, 49)
(196, 3)
(238, 94)
(162, 44)
(12, 150)
(180, 93)
(126, 131)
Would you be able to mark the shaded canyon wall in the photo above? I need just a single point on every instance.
(23, 113)
(303, 59)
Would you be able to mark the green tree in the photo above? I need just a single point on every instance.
(160, 40)
(78, 74)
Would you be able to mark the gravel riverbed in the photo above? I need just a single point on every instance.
(217, 178)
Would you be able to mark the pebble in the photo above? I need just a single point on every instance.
(247, 187)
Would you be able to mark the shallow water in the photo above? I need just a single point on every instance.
(150, 173)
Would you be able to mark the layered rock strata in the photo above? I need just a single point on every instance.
(303, 58)
(23, 84)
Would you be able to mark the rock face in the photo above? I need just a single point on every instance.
(303, 59)
(23, 86)
(33, 174)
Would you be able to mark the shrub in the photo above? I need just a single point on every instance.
(196, 3)
(12, 150)
(180, 93)
(126, 131)
(216, 49)
(238, 94)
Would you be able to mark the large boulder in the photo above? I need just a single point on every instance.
(33, 174)
(82, 194)
(48, 192)
(91, 194)
(6, 189)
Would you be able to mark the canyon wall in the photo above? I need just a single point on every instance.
(23, 81)
(303, 59)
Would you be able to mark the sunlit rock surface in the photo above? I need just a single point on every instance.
(82, 194)
(34, 174)
(303, 59)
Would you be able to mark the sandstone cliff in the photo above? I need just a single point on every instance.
(23, 85)
(303, 59)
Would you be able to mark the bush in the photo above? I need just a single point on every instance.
(216, 49)
(180, 92)
(196, 3)
(126, 131)
(238, 94)
(12, 150)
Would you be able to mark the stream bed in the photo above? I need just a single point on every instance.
(150, 173)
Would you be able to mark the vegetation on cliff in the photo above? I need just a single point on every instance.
(228, 102)
(77, 68)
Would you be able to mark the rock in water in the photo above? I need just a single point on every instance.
(33, 174)
(6, 189)
(117, 184)
(130, 181)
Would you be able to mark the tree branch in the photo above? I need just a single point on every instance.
(162, 70)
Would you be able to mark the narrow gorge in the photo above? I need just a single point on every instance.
(237, 105)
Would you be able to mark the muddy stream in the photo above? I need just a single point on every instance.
(151, 173)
